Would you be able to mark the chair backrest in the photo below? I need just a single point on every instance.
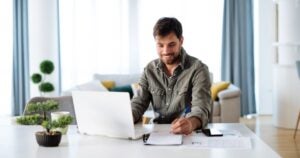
(65, 104)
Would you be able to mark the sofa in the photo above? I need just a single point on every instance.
(226, 109)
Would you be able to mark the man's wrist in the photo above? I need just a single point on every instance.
(196, 122)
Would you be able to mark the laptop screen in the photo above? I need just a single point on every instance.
(104, 113)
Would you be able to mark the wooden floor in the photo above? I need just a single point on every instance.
(279, 139)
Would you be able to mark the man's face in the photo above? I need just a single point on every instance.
(168, 48)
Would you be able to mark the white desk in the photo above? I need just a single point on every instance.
(19, 142)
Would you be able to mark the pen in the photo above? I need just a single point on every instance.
(186, 110)
(183, 113)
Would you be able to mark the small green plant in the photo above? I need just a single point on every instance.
(38, 114)
(46, 68)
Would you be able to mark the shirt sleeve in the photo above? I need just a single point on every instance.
(140, 102)
(201, 98)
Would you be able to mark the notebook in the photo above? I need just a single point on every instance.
(106, 113)
(163, 138)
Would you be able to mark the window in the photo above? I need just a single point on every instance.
(6, 53)
(93, 40)
(115, 36)
(202, 29)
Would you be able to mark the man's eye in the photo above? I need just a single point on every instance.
(172, 45)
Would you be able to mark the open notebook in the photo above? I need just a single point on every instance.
(106, 113)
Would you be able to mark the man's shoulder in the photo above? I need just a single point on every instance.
(195, 62)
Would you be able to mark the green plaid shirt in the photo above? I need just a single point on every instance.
(189, 86)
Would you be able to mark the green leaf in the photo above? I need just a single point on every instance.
(47, 67)
(62, 122)
(36, 78)
(38, 119)
(30, 120)
(46, 87)
(39, 107)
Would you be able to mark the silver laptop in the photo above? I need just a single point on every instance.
(106, 113)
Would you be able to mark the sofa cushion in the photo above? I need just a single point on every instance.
(216, 109)
(92, 86)
(119, 79)
(89, 86)
(126, 88)
(109, 84)
(231, 92)
(217, 87)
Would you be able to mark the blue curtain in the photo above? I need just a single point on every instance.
(59, 55)
(20, 57)
(237, 50)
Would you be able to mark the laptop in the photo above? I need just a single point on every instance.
(106, 113)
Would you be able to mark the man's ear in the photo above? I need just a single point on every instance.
(181, 40)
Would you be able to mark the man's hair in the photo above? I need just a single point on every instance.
(166, 25)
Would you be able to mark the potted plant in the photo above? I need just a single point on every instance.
(38, 114)
(46, 68)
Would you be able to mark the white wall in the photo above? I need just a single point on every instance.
(265, 55)
(276, 69)
(43, 39)
(286, 82)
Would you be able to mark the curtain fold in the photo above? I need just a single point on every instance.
(58, 41)
(20, 56)
(238, 50)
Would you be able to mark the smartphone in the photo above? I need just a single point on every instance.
(212, 132)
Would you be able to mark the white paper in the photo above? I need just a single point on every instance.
(218, 142)
(164, 138)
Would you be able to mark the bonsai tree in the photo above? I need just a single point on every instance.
(38, 114)
(46, 68)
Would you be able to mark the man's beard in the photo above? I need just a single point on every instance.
(170, 58)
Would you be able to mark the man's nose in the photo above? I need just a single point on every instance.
(166, 50)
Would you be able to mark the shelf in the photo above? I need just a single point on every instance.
(297, 2)
(295, 45)
(286, 44)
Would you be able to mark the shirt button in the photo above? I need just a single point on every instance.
(169, 89)
(167, 103)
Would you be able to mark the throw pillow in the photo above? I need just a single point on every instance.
(217, 87)
(126, 88)
(109, 84)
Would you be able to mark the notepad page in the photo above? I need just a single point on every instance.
(218, 142)
(164, 138)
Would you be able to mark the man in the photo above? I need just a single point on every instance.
(174, 83)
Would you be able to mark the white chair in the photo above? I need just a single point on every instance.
(65, 104)
(298, 69)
